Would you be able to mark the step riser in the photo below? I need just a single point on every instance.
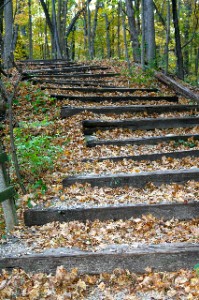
(40, 217)
(60, 71)
(89, 127)
(159, 258)
(142, 141)
(68, 111)
(101, 90)
(135, 180)
(115, 98)
(149, 157)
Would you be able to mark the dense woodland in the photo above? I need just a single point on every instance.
(160, 34)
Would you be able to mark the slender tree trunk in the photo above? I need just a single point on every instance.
(72, 23)
(30, 29)
(118, 29)
(125, 39)
(178, 48)
(108, 40)
(8, 38)
(143, 36)
(85, 35)
(149, 32)
(197, 64)
(1, 28)
(167, 38)
(55, 33)
(89, 29)
(186, 35)
(63, 26)
(133, 30)
(93, 31)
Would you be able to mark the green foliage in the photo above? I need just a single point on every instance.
(37, 153)
(189, 144)
(196, 268)
(38, 100)
(139, 76)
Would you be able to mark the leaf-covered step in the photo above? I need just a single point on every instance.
(180, 211)
(46, 61)
(148, 157)
(92, 142)
(62, 70)
(68, 111)
(91, 126)
(99, 83)
(104, 90)
(115, 98)
(135, 258)
(135, 179)
(71, 75)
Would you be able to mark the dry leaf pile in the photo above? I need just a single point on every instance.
(120, 284)
(97, 235)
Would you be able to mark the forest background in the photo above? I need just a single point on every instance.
(161, 34)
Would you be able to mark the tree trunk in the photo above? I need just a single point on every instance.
(133, 30)
(57, 53)
(186, 35)
(149, 32)
(30, 30)
(89, 29)
(8, 37)
(167, 38)
(178, 48)
(196, 65)
(93, 31)
(108, 40)
(143, 37)
(125, 39)
(118, 30)
(1, 28)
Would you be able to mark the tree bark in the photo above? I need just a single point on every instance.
(108, 39)
(167, 38)
(93, 31)
(133, 30)
(30, 29)
(124, 35)
(143, 36)
(149, 32)
(8, 37)
(178, 48)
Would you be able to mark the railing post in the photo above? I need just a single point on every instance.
(6, 195)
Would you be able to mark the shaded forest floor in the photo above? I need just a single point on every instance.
(50, 149)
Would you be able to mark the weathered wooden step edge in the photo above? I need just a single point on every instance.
(62, 70)
(103, 90)
(89, 83)
(141, 141)
(68, 111)
(181, 211)
(71, 75)
(91, 126)
(135, 258)
(135, 179)
(150, 157)
(43, 61)
(115, 98)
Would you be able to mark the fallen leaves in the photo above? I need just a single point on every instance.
(66, 285)
(95, 235)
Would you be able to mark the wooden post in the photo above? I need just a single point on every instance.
(6, 196)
